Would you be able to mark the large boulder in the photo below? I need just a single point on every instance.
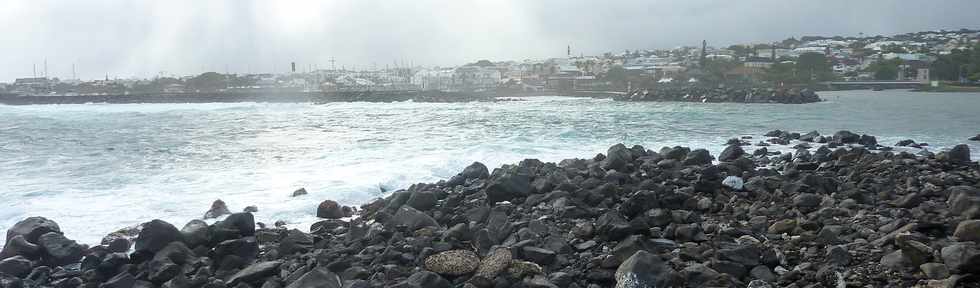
(319, 277)
(731, 153)
(195, 233)
(422, 200)
(968, 230)
(330, 209)
(959, 154)
(698, 157)
(218, 209)
(17, 266)
(497, 261)
(255, 273)
(59, 250)
(18, 245)
(413, 219)
(476, 171)
(617, 158)
(238, 224)
(643, 270)
(506, 184)
(155, 235)
(847, 137)
(453, 262)
(961, 257)
(32, 228)
(964, 200)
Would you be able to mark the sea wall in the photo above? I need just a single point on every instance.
(694, 93)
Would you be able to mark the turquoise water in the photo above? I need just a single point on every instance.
(97, 168)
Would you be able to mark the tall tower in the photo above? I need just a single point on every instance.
(569, 51)
(704, 51)
(772, 52)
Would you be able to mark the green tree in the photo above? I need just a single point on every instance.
(617, 75)
(813, 66)
(715, 69)
(885, 69)
(208, 82)
(781, 72)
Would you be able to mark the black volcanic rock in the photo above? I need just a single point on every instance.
(155, 235)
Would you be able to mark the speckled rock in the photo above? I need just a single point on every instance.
(496, 262)
(453, 262)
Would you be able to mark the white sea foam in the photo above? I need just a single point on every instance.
(96, 168)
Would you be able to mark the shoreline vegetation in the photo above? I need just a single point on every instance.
(841, 211)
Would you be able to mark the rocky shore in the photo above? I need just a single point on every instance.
(840, 211)
(693, 93)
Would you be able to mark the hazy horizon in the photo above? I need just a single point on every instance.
(144, 39)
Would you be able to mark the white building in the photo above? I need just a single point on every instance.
(434, 79)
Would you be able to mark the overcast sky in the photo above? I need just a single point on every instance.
(127, 38)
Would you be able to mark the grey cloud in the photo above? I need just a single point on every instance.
(144, 38)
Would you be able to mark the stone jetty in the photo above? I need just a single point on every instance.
(695, 93)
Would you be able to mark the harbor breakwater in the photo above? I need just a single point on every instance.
(721, 94)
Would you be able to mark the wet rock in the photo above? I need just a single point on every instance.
(59, 250)
(295, 241)
(617, 157)
(317, 278)
(16, 266)
(18, 245)
(453, 262)
(195, 233)
(731, 153)
(329, 209)
(698, 157)
(413, 219)
(32, 228)
(476, 171)
(642, 269)
(539, 255)
(255, 273)
(251, 209)
(238, 224)
(155, 235)
(300, 192)
(175, 252)
(507, 183)
(846, 137)
(422, 200)
(959, 154)
(218, 209)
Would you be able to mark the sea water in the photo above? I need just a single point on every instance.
(99, 167)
